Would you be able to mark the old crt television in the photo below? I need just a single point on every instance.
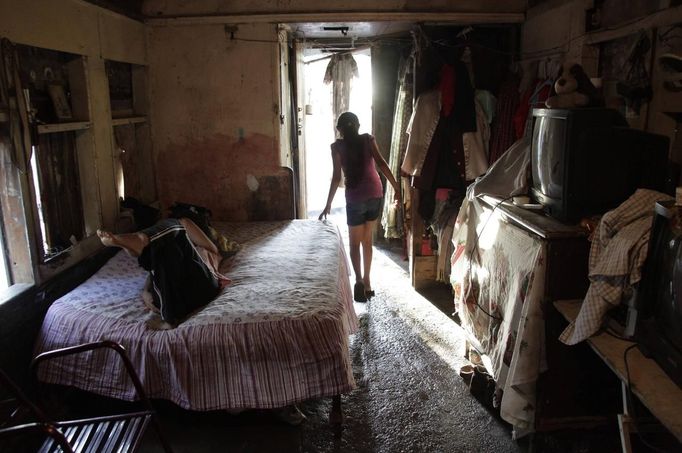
(588, 161)
(659, 296)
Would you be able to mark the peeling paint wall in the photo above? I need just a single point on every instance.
(215, 116)
(214, 100)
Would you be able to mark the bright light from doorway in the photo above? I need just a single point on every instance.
(319, 126)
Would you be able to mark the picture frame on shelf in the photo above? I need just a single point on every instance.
(62, 109)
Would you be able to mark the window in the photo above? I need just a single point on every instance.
(57, 193)
(57, 107)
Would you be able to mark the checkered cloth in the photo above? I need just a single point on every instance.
(617, 254)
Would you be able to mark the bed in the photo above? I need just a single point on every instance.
(276, 336)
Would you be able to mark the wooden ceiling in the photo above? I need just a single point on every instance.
(130, 8)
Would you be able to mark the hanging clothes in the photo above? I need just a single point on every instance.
(457, 95)
(429, 111)
(502, 134)
(340, 72)
(489, 103)
(475, 145)
(534, 97)
(420, 129)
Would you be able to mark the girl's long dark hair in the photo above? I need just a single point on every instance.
(348, 126)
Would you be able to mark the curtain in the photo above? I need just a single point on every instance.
(392, 219)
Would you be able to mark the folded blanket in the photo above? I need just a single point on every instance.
(618, 251)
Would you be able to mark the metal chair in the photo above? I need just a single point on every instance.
(120, 433)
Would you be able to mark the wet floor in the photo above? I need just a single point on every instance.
(410, 398)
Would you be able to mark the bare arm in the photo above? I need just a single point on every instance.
(336, 179)
(197, 236)
(383, 167)
(334, 184)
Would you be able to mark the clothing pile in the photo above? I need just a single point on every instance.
(617, 255)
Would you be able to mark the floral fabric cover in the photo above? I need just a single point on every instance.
(498, 297)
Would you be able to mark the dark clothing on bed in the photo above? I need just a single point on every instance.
(181, 281)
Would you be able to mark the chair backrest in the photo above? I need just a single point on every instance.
(120, 433)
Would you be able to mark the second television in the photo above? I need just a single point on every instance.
(588, 161)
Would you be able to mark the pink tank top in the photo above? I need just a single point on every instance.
(369, 186)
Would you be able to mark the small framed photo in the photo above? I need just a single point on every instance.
(62, 109)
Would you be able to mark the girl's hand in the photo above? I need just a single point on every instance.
(325, 213)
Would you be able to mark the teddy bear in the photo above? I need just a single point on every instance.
(572, 88)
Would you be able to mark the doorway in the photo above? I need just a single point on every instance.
(320, 131)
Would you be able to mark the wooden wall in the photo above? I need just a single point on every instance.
(555, 30)
(80, 28)
(76, 27)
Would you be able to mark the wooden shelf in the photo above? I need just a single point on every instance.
(648, 381)
(63, 127)
(544, 226)
(128, 120)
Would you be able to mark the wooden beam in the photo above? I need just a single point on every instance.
(369, 16)
(663, 18)
(63, 127)
(128, 120)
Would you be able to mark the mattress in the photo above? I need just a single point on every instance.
(278, 334)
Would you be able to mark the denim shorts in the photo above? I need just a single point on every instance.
(363, 211)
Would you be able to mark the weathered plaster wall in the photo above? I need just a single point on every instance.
(553, 29)
(215, 116)
(160, 8)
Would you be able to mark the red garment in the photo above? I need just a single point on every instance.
(448, 79)
(533, 97)
(503, 133)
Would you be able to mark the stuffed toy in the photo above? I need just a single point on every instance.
(572, 88)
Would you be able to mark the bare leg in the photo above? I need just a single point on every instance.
(132, 243)
(367, 253)
(355, 234)
(197, 236)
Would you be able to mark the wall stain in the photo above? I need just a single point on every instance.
(213, 173)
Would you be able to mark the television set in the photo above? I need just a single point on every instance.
(588, 161)
(658, 329)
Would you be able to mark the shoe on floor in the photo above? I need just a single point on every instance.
(359, 292)
(369, 294)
